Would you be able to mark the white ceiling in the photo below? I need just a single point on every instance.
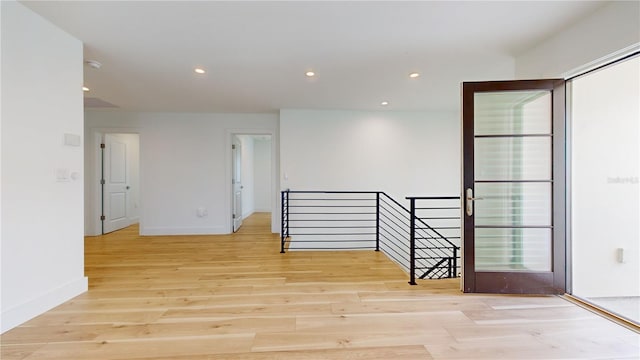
(256, 53)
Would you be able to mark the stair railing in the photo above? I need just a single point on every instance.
(366, 220)
(433, 251)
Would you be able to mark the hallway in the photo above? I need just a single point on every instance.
(236, 297)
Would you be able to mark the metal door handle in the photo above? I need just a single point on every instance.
(469, 202)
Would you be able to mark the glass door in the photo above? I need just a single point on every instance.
(605, 190)
(513, 148)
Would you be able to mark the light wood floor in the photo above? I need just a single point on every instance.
(236, 297)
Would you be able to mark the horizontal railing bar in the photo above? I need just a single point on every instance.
(331, 234)
(332, 227)
(330, 192)
(439, 228)
(433, 197)
(326, 220)
(512, 181)
(439, 208)
(334, 199)
(334, 241)
(337, 248)
(441, 218)
(331, 206)
(434, 248)
(514, 226)
(430, 238)
(336, 213)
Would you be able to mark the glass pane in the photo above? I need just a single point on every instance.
(513, 158)
(515, 204)
(512, 112)
(513, 250)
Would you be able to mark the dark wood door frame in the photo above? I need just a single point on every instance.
(553, 282)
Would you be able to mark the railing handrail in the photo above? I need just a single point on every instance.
(330, 192)
(433, 197)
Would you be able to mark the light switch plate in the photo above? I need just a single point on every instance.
(71, 140)
(62, 175)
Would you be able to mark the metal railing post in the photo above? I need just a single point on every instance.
(455, 262)
(281, 222)
(412, 243)
(284, 219)
(378, 221)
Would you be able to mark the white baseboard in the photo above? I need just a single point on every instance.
(29, 309)
(213, 230)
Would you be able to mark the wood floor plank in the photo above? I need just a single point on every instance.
(17, 351)
(145, 348)
(336, 340)
(407, 306)
(376, 353)
(236, 297)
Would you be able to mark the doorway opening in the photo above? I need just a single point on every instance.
(251, 176)
(115, 183)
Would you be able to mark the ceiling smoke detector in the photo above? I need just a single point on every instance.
(94, 64)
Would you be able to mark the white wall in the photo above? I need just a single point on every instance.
(605, 157)
(401, 153)
(613, 27)
(42, 218)
(262, 183)
(185, 163)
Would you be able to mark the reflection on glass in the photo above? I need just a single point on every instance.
(513, 204)
(512, 249)
(513, 158)
(513, 112)
(513, 174)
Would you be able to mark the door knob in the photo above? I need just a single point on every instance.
(469, 202)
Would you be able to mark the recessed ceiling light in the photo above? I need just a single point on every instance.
(199, 70)
(84, 88)
(93, 63)
(384, 103)
(310, 74)
(414, 75)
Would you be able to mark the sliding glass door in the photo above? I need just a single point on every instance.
(604, 196)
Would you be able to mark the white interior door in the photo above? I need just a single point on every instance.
(236, 180)
(116, 183)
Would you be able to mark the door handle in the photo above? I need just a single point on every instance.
(469, 202)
